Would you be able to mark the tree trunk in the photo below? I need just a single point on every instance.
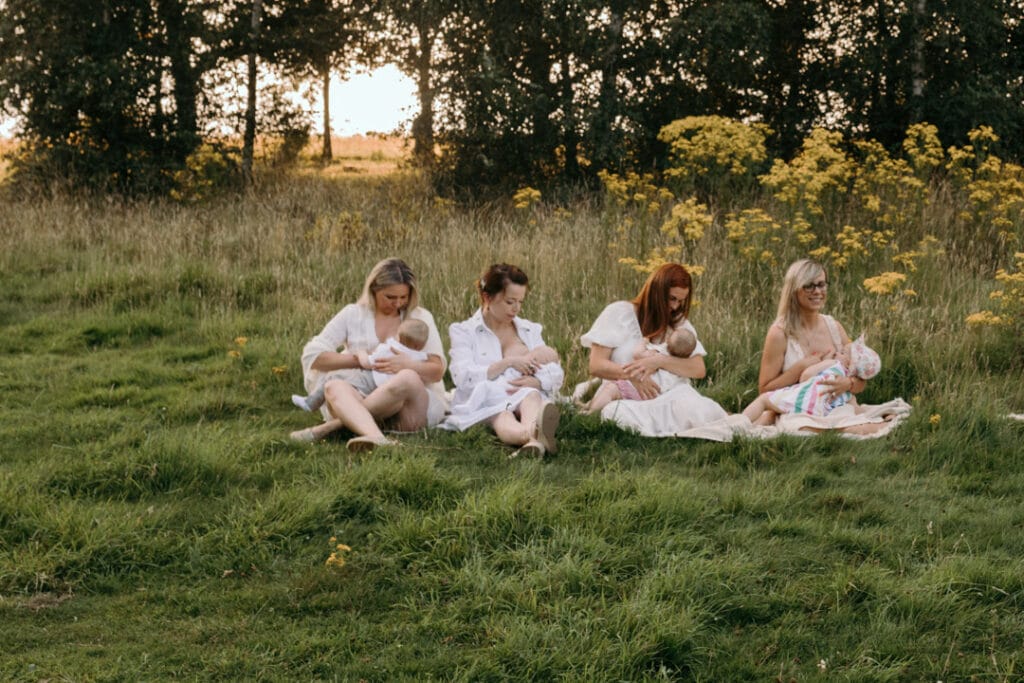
(325, 79)
(184, 76)
(249, 139)
(917, 67)
(423, 124)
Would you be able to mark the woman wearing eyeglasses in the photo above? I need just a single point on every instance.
(802, 335)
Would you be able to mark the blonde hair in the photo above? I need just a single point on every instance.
(413, 333)
(390, 271)
(802, 272)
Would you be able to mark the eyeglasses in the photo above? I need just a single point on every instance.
(811, 286)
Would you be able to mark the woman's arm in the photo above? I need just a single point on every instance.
(772, 375)
(321, 352)
(839, 385)
(430, 370)
(642, 368)
(332, 360)
(601, 363)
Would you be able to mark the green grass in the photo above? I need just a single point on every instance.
(156, 523)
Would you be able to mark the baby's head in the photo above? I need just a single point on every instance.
(861, 360)
(681, 342)
(413, 334)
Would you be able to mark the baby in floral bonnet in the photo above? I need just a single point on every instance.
(811, 396)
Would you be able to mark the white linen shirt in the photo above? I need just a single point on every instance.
(354, 329)
(474, 347)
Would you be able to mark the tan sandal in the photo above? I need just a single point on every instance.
(547, 423)
(308, 435)
(530, 449)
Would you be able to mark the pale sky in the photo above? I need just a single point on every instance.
(378, 102)
(375, 102)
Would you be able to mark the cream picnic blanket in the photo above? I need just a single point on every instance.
(892, 413)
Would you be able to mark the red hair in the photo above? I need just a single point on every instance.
(652, 311)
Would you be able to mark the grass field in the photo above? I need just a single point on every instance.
(156, 523)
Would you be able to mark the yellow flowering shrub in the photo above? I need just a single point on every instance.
(884, 284)
(525, 197)
(887, 189)
(713, 149)
(635, 191)
(689, 220)
(923, 149)
(1010, 299)
(656, 258)
(817, 175)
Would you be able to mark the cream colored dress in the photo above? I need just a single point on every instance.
(679, 408)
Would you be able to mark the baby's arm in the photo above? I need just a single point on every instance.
(813, 370)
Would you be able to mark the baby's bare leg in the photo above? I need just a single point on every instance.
(606, 393)
(760, 411)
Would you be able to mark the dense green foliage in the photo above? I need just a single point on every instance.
(117, 94)
(156, 523)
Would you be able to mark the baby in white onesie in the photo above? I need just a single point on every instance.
(412, 337)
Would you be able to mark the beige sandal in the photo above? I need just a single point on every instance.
(530, 449)
(308, 435)
(547, 423)
(365, 444)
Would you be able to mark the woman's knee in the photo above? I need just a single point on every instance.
(337, 390)
(407, 381)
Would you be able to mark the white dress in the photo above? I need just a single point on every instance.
(354, 329)
(677, 409)
(474, 348)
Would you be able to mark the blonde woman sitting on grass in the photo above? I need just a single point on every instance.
(801, 337)
(414, 397)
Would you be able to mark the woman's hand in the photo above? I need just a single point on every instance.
(642, 368)
(364, 360)
(524, 381)
(837, 385)
(647, 388)
(392, 364)
(524, 364)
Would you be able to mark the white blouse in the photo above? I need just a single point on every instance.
(475, 347)
(618, 329)
(354, 329)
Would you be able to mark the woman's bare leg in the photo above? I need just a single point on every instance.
(405, 398)
(350, 410)
(509, 429)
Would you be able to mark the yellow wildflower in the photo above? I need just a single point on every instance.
(241, 341)
(235, 353)
(279, 369)
(885, 283)
(983, 318)
(935, 419)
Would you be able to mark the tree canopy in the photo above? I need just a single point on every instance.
(116, 93)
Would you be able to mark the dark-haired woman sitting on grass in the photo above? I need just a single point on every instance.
(504, 374)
